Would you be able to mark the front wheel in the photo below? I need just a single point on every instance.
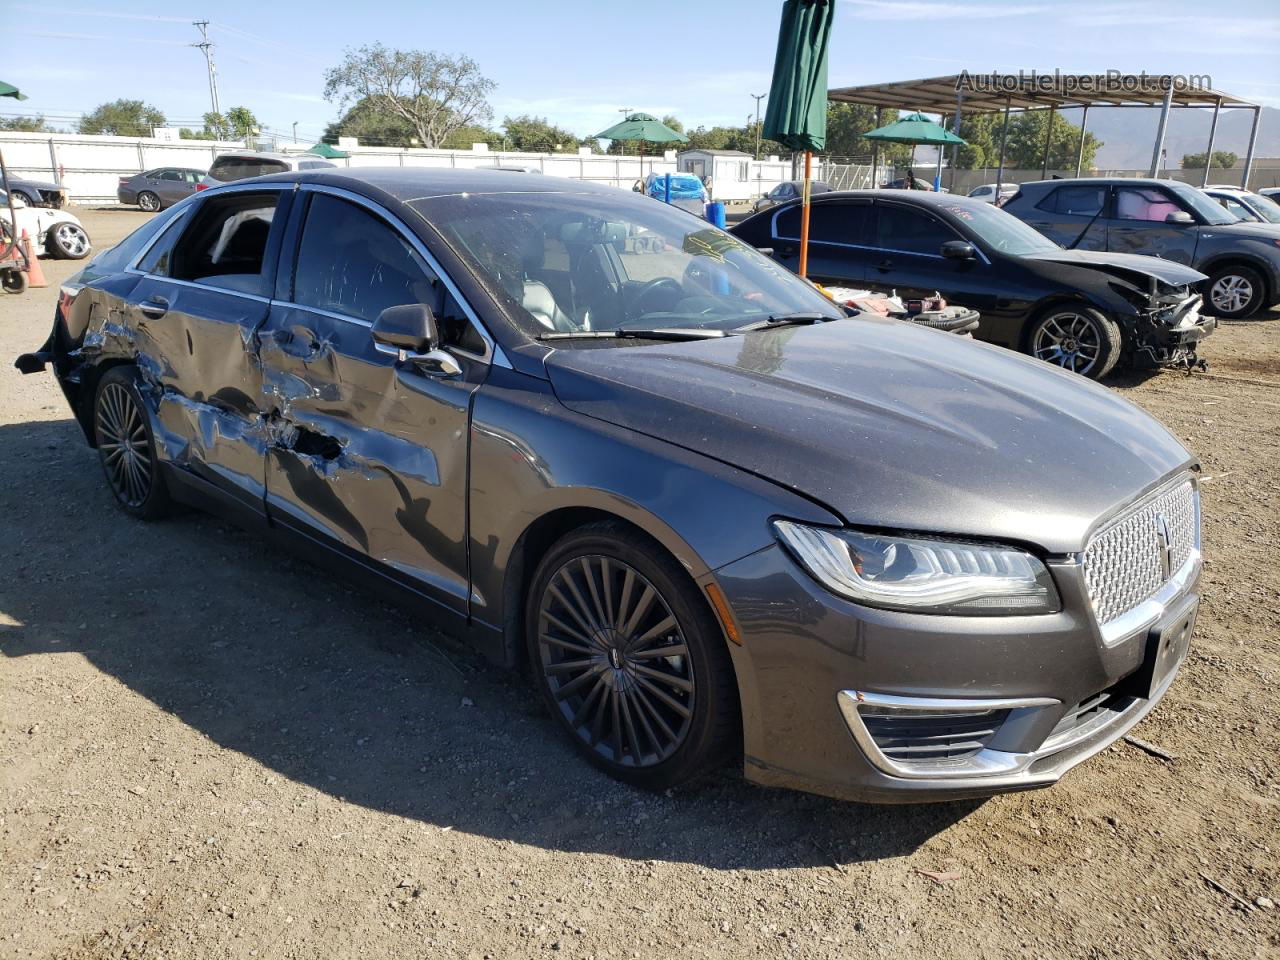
(629, 658)
(67, 241)
(126, 446)
(1079, 339)
(1235, 292)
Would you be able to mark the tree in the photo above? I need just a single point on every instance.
(1222, 159)
(242, 123)
(434, 93)
(372, 124)
(535, 135)
(847, 123)
(1024, 149)
(122, 118)
(24, 125)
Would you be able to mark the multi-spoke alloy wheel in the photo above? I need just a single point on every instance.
(68, 241)
(125, 446)
(1234, 292)
(616, 661)
(630, 658)
(1077, 340)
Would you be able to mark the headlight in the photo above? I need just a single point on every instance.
(922, 575)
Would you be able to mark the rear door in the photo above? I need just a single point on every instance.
(1137, 222)
(1072, 215)
(369, 452)
(171, 185)
(838, 237)
(196, 313)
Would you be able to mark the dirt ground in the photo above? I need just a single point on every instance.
(207, 749)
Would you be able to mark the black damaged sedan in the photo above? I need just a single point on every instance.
(1082, 310)
(711, 514)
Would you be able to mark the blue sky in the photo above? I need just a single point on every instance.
(578, 62)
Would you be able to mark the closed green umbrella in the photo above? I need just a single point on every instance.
(328, 152)
(913, 130)
(9, 90)
(797, 115)
(645, 129)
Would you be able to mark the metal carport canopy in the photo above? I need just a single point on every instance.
(989, 93)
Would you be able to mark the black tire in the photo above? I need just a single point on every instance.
(649, 720)
(148, 201)
(126, 446)
(25, 197)
(1234, 291)
(1076, 338)
(67, 241)
(13, 281)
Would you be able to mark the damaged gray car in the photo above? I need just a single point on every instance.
(712, 514)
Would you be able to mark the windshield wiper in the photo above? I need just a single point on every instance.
(785, 320)
(665, 333)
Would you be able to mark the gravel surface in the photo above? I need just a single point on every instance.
(208, 749)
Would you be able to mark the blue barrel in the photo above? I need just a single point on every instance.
(715, 214)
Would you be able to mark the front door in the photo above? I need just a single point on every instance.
(196, 314)
(1138, 223)
(368, 452)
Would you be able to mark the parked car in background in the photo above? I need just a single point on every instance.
(159, 188)
(685, 191)
(35, 193)
(1246, 205)
(987, 192)
(787, 191)
(713, 514)
(243, 164)
(915, 183)
(1163, 218)
(1271, 192)
(1086, 312)
(53, 232)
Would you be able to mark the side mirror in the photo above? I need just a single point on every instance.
(958, 250)
(410, 327)
(1180, 217)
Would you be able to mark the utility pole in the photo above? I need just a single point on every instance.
(205, 47)
(758, 97)
(295, 131)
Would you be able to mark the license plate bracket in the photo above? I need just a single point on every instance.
(1167, 646)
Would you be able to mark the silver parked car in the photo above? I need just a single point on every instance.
(156, 189)
(243, 164)
(987, 192)
(1245, 204)
(35, 193)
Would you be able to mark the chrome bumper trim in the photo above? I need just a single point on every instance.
(1149, 611)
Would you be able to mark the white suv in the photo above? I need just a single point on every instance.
(248, 163)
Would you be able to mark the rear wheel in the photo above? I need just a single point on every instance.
(1079, 339)
(126, 446)
(629, 658)
(1235, 292)
(148, 201)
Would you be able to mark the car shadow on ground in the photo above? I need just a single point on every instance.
(272, 658)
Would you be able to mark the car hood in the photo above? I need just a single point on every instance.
(1124, 263)
(888, 424)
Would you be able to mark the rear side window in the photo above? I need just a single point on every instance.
(828, 223)
(1081, 201)
(226, 243)
(912, 231)
(122, 254)
(227, 169)
(156, 261)
(314, 164)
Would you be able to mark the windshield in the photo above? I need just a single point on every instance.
(1207, 208)
(577, 262)
(999, 230)
(1266, 208)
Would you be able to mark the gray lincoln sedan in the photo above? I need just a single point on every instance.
(714, 516)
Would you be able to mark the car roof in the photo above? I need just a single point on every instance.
(413, 183)
(923, 198)
(1107, 181)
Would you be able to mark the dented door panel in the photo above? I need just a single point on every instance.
(201, 355)
(367, 451)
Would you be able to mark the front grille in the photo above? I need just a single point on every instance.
(930, 737)
(1124, 563)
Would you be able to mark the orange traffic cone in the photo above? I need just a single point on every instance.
(35, 276)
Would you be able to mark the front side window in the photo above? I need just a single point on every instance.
(1148, 204)
(911, 231)
(226, 243)
(571, 260)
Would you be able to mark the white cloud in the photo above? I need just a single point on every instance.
(922, 10)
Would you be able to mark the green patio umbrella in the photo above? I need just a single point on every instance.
(328, 152)
(9, 90)
(645, 129)
(797, 115)
(914, 130)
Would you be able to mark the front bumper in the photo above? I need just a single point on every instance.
(1049, 691)
(1160, 345)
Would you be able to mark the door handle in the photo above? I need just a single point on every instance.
(155, 308)
(884, 265)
